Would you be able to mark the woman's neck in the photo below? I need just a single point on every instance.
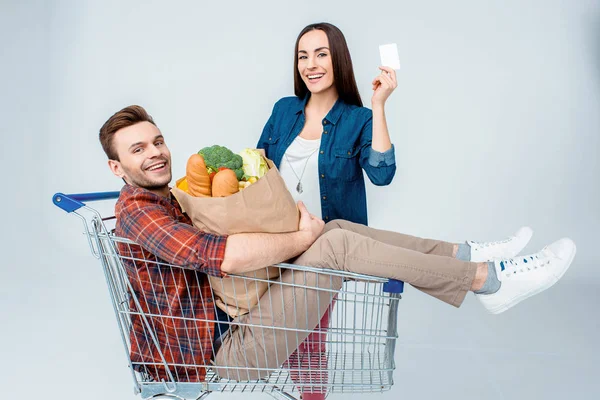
(321, 103)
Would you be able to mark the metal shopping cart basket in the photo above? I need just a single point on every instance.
(350, 350)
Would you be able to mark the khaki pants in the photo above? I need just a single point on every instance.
(426, 264)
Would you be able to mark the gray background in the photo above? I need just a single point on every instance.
(495, 122)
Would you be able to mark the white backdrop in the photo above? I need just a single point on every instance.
(495, 122)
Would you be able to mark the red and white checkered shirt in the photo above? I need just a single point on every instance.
(179, 299)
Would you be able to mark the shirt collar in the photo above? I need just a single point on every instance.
(336, 111)
(130, 190)
(334, 114)
(302, 104)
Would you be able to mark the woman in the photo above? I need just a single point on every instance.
(321, 140)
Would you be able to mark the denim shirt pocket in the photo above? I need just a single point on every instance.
(347, 165)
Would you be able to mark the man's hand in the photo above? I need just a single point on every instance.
(247, 252)
(310, 226)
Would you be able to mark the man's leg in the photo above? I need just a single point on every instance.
(426, 246)
(443, 277)
(467, 251)
(277, 325)
(446, 278)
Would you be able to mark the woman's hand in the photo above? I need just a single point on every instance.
(383, 85)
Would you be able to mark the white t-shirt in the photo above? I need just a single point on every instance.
(303, 155)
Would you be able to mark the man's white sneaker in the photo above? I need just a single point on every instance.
(510, 247)
(524, 276)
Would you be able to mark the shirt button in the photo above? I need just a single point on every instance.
(269, 138)
(325, 132)
(324, 197)
(322, 175)
(349, 153)
(324, 122)
(326, 217)
(321, 152)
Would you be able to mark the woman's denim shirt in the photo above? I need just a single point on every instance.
(345, 151)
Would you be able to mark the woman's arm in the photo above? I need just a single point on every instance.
(383, 86)
(377, 156)
(381, 136)
(266, 134)
(379, 166)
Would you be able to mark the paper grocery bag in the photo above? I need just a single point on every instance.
(265, 206)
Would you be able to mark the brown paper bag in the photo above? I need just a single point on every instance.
(265, 206)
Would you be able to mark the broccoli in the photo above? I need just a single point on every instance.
(220, 156)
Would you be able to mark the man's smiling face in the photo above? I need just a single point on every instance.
(144, 158)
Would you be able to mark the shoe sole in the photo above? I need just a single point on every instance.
(536, 291)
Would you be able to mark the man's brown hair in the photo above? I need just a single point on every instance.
(121, 119)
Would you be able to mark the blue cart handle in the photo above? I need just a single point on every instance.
(393, 286)
(72, 202)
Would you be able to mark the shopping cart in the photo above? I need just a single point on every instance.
(350, 350)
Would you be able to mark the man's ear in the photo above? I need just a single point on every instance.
(116, 168)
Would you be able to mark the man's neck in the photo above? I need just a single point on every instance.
(165, 192)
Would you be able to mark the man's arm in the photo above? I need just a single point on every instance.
(247, 252)
(147, 222)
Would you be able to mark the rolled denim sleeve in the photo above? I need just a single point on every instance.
(378, 159)
(380, 167)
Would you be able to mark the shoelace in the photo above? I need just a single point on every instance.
(514, 266)
(480, 245)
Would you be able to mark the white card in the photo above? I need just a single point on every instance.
(389, 55)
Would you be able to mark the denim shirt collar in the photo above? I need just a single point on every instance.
(332, 116)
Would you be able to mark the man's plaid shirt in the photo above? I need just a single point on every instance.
(179, 298)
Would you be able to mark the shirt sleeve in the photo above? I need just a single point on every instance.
(267, 133)
(378, 159)
(150, 225)
(380, 167)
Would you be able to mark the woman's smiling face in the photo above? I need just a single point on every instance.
(314, 61)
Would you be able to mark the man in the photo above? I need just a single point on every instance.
(147, 214)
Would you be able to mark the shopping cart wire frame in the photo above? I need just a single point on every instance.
(353, 353)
